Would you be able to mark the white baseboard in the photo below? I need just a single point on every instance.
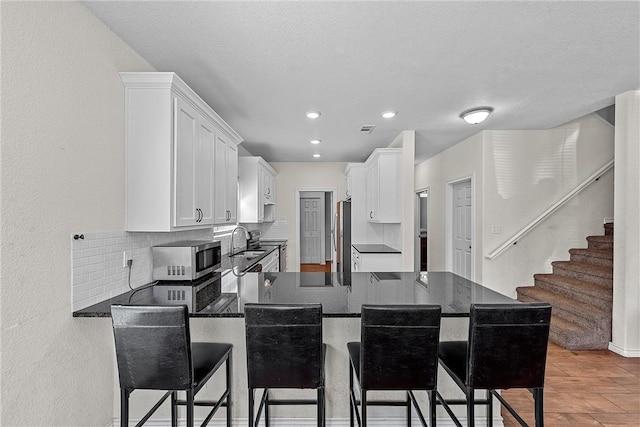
(624, 352)
(311, 422)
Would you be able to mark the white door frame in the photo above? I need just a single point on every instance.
(449, 223)
(333, 192)
(416, 237)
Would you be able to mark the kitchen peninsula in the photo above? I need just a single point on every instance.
(222, 319)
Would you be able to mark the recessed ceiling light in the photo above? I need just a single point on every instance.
(389, 114)
(313, 114)
(316, 155)
(476, 115)
(315, 141)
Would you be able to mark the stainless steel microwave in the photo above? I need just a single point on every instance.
(187, 260)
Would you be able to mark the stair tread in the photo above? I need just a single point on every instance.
(561, 301)
(570, 282)
(598, 253)
(604, 239)
(595, 270)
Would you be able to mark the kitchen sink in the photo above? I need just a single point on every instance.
(249, 254)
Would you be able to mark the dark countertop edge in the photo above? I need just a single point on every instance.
(241, 315)
(376, 248)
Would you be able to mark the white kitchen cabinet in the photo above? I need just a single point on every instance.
(170, 135)
(271, 263)
(380, 262)
(225, 182)
(384, 185)
(257, 190)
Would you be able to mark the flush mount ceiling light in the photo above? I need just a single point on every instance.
(313, 114)
(315, 141)
(389, 114)
(476, 115)
(316, 155)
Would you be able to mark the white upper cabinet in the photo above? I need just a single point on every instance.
(170, 149)
(257, 190)
(226, 181)
(384, 185)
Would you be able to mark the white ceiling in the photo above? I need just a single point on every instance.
(262, 65)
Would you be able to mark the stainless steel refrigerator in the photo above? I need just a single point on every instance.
(342, 241)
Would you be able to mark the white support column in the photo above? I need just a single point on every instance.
(626, 259)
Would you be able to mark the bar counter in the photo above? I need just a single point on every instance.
(340, 295)
(217, 315)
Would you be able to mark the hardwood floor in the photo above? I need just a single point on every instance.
(583, 388)
(311, 268)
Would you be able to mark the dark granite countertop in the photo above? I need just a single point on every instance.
(375, 249)
(225, 296)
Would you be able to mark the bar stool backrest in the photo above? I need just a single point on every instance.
(284, 345)
(399, 347)
(153, 347)
(507, 345)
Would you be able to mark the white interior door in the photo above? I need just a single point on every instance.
(311, 217)
(462, 230)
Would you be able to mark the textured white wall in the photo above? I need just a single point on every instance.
(519, 174)
(292, 176)
(62, 172)
(525, 173)
(462, 160)
(626, 262)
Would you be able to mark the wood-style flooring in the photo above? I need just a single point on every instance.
(314, 268)
(583, 388)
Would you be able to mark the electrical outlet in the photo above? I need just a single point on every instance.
(126, 257)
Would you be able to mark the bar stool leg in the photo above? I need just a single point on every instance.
(229, 379)
(470, 408)
(350, 393)
(408, 410)
(432, 408)
(363, 400)
(124, 407)
(538, 403)
(174, 409)
(320, 398)
(189, 408)
(489, 409)
(266, 409)
(251, 420)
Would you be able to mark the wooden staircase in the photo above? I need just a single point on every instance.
(581, 294)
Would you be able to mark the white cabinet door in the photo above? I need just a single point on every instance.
(225, 182)
(257, 190)
(204, 165)
(186, 131)
(384, 186)
(232, 182)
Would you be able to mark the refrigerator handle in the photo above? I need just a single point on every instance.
(333, 232)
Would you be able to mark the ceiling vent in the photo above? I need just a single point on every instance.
(367, 129)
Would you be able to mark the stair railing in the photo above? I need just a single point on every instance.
(557, 205)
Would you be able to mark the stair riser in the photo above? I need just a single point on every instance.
(572, 342)
(587, 320)
(602, 262)
(600, 245)
(602, 301)
(589, 278)
(608, 229)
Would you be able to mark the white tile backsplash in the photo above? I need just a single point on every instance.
(96, 262)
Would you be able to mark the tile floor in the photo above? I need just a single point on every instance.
(583, 388)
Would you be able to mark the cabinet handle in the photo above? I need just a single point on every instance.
(371, 214)
(201, 215)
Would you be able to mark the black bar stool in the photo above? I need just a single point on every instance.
(284, 350)
(507, 348)
(398, 351)
(154, 352)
